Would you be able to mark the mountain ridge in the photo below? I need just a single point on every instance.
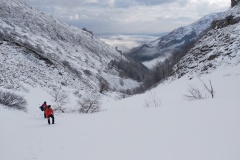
(173, 41)
(219, 47)
(40, 51)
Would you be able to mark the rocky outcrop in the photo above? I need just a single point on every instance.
(226, 21)
(229, 18)
(234, 2)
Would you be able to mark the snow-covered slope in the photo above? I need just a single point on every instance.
(39, 51)
(159, 124)
(206, 129)
(170, 43)
(219, 47)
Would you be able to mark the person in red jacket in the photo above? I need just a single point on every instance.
(49, 113)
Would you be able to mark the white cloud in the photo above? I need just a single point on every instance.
(130, 16)
(126, 42)
(74, 17)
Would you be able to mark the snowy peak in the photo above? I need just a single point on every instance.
(178, 39)
(218, 47)
(197, 28)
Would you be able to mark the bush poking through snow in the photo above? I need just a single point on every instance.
(72, 69)
(61, 98)
(89, 105)
(153, 100)
(12, 100)
(103, 85)
(209, 89)
(195, 93)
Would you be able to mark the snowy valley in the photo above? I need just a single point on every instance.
(172, 43)
(38, 61)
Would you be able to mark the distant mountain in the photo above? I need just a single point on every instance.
(176, 40)
(219, 47)
(38, 51)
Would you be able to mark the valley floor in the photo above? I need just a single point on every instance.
(176, 129)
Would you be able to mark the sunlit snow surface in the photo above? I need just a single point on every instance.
(177, 129)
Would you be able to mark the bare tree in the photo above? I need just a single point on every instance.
(13, 101)
(89, 105)
(153, 100)
(103, 85)
(61, 98)
(195, 93)
(209, 89)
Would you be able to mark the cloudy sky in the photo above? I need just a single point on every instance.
(129, 16)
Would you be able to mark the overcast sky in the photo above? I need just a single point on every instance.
(129, 16)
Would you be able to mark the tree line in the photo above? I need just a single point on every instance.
(149, 78)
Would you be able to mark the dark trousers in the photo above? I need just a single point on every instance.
(52, 119)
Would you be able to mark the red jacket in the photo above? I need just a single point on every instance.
(48, 112)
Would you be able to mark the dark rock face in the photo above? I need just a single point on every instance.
(229, 20)
(234, 2)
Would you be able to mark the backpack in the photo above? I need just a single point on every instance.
(41, 107)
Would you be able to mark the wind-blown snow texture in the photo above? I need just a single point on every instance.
(38, 50)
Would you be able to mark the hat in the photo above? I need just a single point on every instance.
(49, 106)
